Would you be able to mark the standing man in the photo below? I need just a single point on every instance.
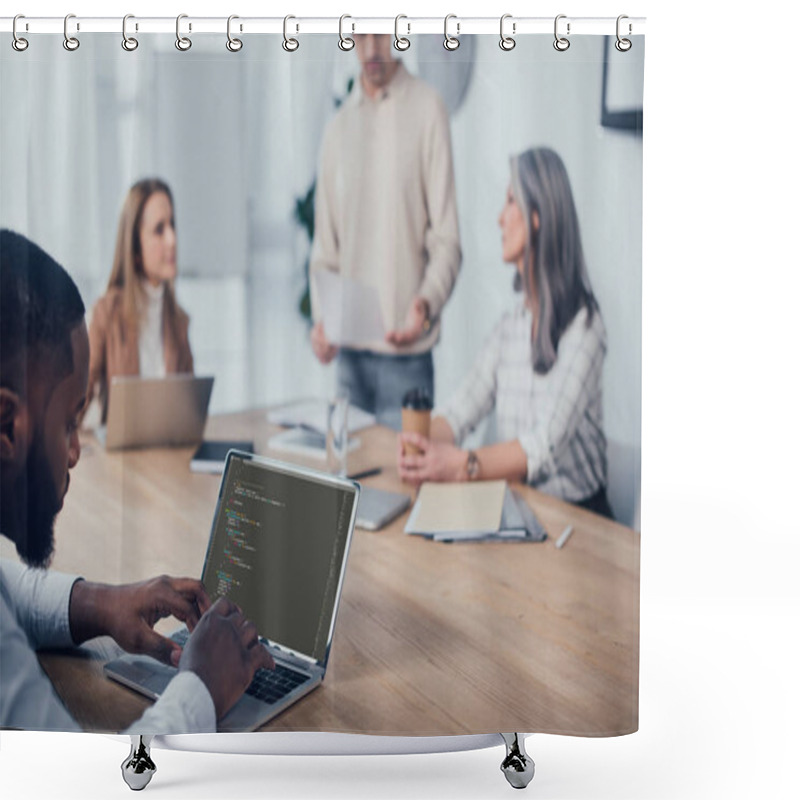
(386, 216)
(44, 371)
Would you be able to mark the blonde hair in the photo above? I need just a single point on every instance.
(127, 272)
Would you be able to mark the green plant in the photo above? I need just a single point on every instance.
(304, 216)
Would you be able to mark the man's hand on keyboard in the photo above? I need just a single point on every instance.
(224, 652)
(128, 613)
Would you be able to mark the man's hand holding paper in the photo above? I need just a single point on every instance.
(350, 311)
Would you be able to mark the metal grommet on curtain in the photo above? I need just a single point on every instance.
(400, 42)
(289, 44)
(346, 43)
(623, 45)
(18, 42)
(561, 43)
(451, 42)
(183, 43)
(129, 43)
(507, 42)
(71, 43)
(233, 44)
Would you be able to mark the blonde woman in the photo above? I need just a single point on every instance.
(541, 367)
(137, 326)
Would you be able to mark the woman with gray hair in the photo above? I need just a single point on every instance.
(541, 367)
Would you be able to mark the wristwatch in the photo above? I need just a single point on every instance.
(473, 466)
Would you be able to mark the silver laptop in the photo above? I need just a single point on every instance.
(278, 549)
(377, 508)
(148, 412)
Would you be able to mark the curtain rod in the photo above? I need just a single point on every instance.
(457, 26)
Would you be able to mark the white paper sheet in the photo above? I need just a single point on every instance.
(306, 443)
(351, 311)
(313, 414)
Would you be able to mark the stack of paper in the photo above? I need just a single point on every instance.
(313, 415)
(306, 442)
(468, 512)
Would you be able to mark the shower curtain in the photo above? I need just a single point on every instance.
(432, 638)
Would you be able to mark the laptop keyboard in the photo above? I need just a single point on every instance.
(268, 685)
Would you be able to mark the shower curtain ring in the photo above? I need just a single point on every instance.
(401, 43)
(507, 42)
(346, 43)
(233, 44)
(451, 42)
(71, 43)
(183, 43)
(623, 45)
(561, 43)
(289, 44)
(18, 43)
(129, 43)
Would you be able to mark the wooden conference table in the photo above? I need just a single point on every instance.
(431, 638)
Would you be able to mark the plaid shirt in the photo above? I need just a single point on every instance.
(557, 418)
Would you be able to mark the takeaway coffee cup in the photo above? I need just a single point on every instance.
(416, 415)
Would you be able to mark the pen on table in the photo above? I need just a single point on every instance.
(367, 473)
(565, 534)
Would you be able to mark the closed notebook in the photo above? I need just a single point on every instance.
(475, 508)
(313, 415)
(210, 456)
(518, 524)
(468, 512)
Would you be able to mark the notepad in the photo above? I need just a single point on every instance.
(468, 512)
(518, 524)
(458, 507)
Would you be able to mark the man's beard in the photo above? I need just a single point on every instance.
(39, 503)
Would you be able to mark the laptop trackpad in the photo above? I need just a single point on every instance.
(142, 673)
(245, 714)
(150, 678)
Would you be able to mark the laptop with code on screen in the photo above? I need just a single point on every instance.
(278, 549)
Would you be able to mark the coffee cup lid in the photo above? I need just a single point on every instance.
(417, 399)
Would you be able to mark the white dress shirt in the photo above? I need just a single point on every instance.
(34, 614)
(557, 418)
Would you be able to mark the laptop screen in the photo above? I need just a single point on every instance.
(277, 551)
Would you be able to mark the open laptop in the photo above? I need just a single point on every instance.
(278, 549)
(148, 412)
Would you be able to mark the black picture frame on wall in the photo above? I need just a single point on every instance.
(621, 118)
